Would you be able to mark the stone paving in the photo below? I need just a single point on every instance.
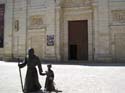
(69, 78)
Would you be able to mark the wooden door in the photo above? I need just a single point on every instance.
(78, 40)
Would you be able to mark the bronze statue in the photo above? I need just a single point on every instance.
(31, 79)
(49, 84)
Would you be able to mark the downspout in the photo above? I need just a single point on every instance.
(55, 29)
(93, 34)
(26, 27)
(12, 46)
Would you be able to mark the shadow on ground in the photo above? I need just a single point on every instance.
(85, 63)
(41, 91)
(81, 63)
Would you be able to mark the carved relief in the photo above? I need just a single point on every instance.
(37, 3)
(118, 16)
(35, 22)
(77, 3)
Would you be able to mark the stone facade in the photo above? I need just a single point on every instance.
(31, 23)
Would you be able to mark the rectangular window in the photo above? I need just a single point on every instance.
(2, 9)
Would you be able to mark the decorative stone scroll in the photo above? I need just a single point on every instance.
(118, 16)
(36, 22)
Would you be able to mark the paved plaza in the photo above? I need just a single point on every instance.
(69, 78)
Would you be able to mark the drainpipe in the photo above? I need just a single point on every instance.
(55, 29)
(26, 27)
(12, 42)
(93, 33)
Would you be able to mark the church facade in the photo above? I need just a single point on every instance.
(63, 30)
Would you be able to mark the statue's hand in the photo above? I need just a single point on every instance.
(43, 74)
(19, 66)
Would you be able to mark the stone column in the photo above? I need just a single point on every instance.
(58, 27)
(8, 34)
(102, 45)
(19, 36)
(51, 30)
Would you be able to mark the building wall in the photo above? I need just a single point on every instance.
(37, 23)
(27, 24)
(109, 28)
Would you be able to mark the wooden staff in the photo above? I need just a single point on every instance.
(19, 64)
(20, 77)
